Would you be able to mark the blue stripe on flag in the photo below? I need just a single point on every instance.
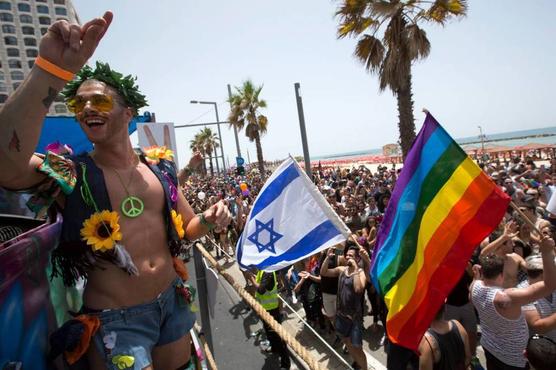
(306, 246)
(432, 150)
(274, 189)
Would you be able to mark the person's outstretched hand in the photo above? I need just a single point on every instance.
(69, 45)
(219, 215)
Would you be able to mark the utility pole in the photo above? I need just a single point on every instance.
(235, 129)
(202, 293)
(303, 132)
(482, 137)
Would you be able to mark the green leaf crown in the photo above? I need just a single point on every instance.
(125, 86)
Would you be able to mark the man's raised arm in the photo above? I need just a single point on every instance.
(63, 50)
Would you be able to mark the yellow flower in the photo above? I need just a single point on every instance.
(155, 153)
(123, 361)
(101, 231)
(178, 224)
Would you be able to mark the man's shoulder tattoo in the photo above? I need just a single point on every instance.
(15, 145)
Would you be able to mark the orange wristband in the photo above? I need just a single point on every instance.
(53, 69)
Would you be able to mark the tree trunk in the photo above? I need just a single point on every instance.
(210, 162)
(260, 154)
(407, 121)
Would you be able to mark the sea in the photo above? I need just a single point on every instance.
(546, 135)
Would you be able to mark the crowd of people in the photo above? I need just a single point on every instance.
(508, 290)
(512, 305)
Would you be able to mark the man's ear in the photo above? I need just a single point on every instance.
(128, 113)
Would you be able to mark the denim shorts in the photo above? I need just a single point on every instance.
(348, 328)
(127, 336)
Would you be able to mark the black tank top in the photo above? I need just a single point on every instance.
(452, 350)
(329, 285)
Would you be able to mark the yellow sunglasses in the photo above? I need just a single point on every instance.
(101, 102)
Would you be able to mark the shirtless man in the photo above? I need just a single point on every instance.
(131, 256)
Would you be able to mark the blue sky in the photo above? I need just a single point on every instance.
(495, 68)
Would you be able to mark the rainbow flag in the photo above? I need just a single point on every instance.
(441, 208)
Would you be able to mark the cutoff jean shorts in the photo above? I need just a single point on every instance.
(127, 336)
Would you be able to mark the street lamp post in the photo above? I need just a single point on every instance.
(234, 126)
(219, 132)
(302, 129)
(482, 137)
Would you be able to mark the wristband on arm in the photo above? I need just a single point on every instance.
(53, 69)
(205, 222)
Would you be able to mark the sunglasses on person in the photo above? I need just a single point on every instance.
(101, 102)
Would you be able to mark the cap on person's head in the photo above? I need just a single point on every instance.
(528, 201)
(494, 175)
(534, 262)
(532, 191)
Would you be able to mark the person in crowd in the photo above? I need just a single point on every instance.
(541, 314)
(329, 284)
(349, 310)
(309, 292)
(266, 285)
(444, 345)
(504, 329)
(459, 307)
(106, 198)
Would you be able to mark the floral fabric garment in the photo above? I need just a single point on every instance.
(61, 177)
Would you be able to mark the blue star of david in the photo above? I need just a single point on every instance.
(273, 236)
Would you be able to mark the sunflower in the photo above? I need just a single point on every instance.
(155, 153)
(178, 224)
(101, 231)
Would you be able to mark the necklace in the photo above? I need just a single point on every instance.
(131, 206)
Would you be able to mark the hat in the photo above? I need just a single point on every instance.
(528, 200)
(494, 174)
(534, 262)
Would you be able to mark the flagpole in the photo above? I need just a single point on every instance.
(525, 218)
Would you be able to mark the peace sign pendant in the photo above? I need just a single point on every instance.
(132, 206)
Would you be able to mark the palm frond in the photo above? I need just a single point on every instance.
(352, 8)
(251, 131)
(356, 26)
(442, 10)
(418, 45)
(370, 52)
(262, 123)
(380, 9)
(394, 33)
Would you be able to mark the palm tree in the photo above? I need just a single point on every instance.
(196, 145)
(245, 104)
(403, 42)
(209, 142)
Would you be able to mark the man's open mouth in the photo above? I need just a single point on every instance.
(94, 122)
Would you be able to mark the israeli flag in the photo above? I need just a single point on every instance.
(289, 221)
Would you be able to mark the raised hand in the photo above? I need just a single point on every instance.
(365, 257)
(546, 245)
(196, 161)
(511, 229)
(219, 215)
(69, 46)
